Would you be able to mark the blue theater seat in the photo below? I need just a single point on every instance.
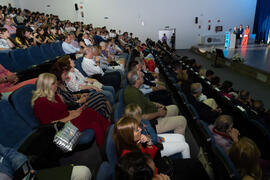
(8, 62)
(222, 165)
(105, 171)
(57, 48)
(78, 64)
(47, 51)
(118, 112)
(22, 58)
(36, 54)
(109, 151)
(21, 100)
(13, 130)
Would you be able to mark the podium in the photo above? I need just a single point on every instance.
(230, 40)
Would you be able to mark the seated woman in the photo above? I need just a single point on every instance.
(172, 143)
(110, 58)
(77, 82)
(127, 138)
(89, 99)
(81, 41)
(49, 107)
(246, 157)
(42, 36)
(20, 39)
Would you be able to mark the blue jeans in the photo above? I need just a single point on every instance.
(109, 92)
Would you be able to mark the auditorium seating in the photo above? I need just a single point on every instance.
(221, 164)
(21, 101)
(105, 171)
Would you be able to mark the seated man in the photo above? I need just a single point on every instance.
(167, 116)
(224, 133)
(68, 48)
(244, 100)
(205, 112)
(91, 67)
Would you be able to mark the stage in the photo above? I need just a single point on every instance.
(256, 62)
(256, 56)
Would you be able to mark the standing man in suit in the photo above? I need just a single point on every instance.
(236, 32)
(240, 32)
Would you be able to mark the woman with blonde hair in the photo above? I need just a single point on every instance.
(172, 143)
(246, 157)
(49, 107)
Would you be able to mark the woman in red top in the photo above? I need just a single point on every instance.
(49, 107)
(127, 137)
(245, 38)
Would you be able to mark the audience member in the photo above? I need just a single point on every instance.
(13, 162)
(244, 100)
(246, 157)
(172, 143)
(8, 25)
(5, 42)
(167, 116)
(49, 107)
(215, 82)
(68, 48)
(91, 67)
(8, 82)
(77, 82)
(205, 112)
(224, 133)
(226, 89)
(137, 165)
(90, 99)
(209, 74)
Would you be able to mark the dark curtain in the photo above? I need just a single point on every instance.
(262, 20)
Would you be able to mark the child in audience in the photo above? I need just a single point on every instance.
(172, 143)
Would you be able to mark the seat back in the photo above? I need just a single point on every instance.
(46, 50)
(223, 167)
(22, 58)
(105, 171)
(36, 54)
(260, 135)
(205, 132)
(8, 62)
(78, 64)
(21, 101)
(121, 96)
(13, 129)
(192, 115)
(57, 48)
(109, 147)
(118, 112)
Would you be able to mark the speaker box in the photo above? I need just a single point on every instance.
(76, 7)
(196, 20)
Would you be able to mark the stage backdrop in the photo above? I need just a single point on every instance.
(262, 20)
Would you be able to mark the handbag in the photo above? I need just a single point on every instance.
(165, 166)
(67, 138)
